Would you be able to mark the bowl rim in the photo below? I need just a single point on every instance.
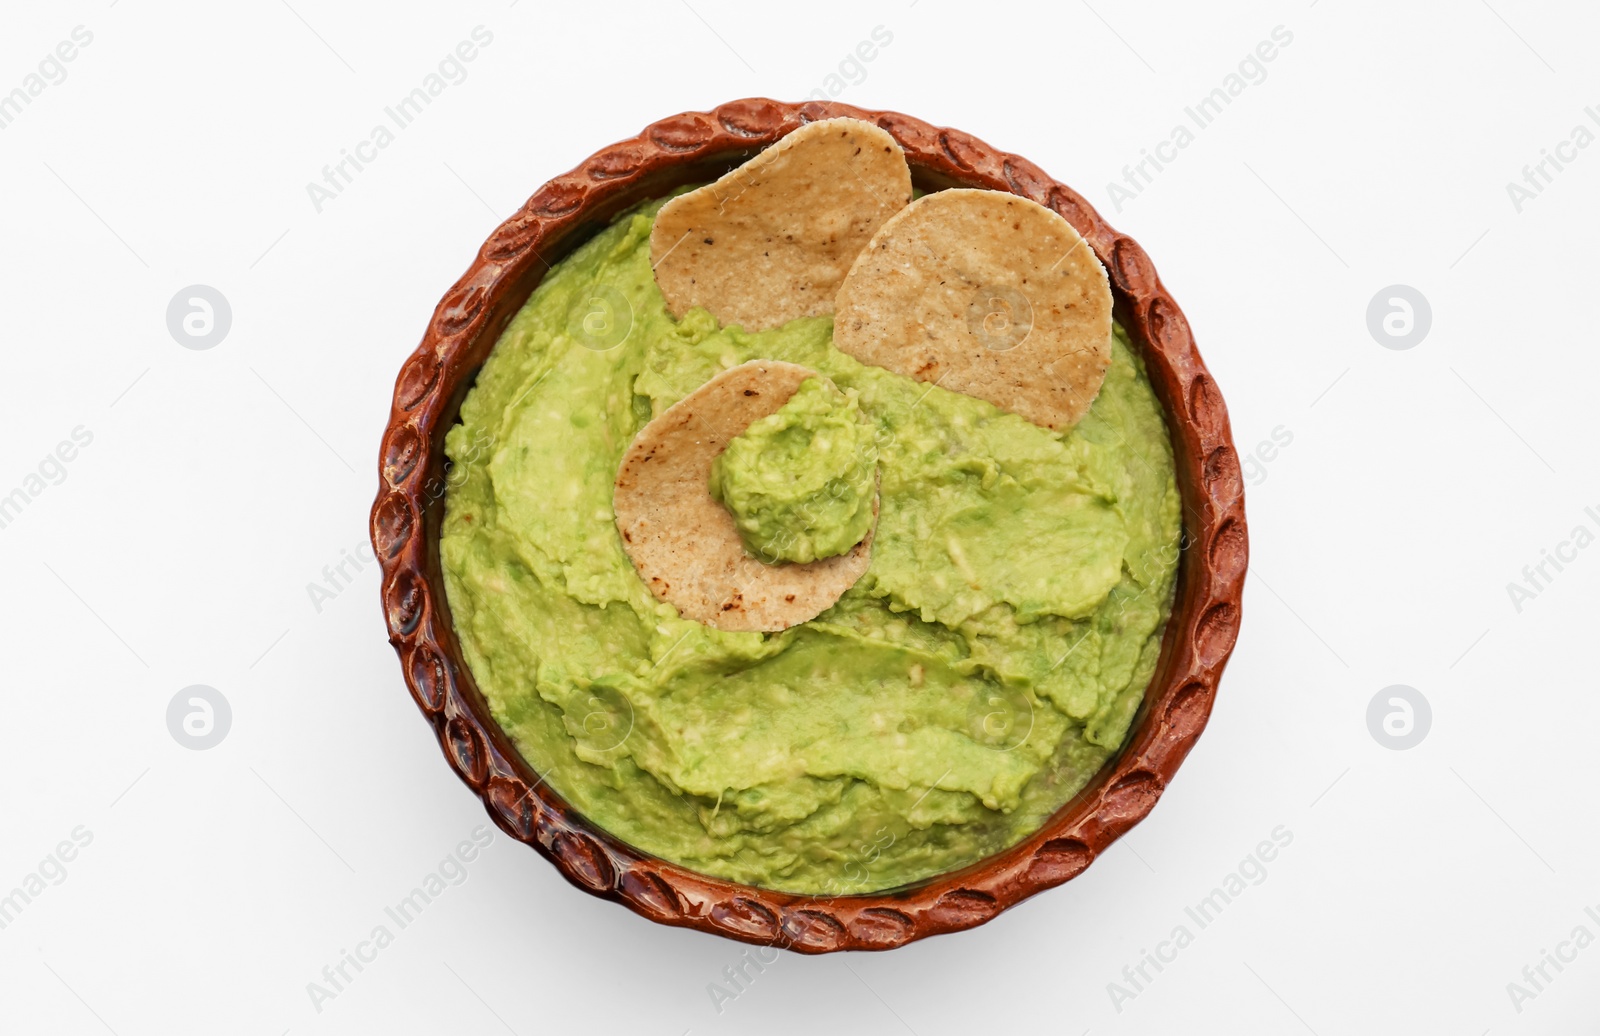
(413, 477)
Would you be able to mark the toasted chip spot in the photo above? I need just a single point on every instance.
(684, 543)
(984, 293)
(773, 239)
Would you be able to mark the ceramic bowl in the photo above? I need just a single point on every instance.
(406, 517)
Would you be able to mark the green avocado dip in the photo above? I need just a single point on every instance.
(799, 481)
(985, 667)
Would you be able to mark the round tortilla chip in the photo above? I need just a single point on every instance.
(984, 293)
(685, 544)
(773, 239)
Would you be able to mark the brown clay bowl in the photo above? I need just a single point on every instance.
(700, 146)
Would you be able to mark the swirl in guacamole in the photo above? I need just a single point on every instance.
(799, 482)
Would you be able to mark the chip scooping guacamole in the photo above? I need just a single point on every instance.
(988, 663)
(800, 481)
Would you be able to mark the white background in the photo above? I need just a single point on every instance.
(179, 548)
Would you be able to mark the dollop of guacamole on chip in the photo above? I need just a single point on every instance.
(799, 482)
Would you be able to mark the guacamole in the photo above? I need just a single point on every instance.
(988, 663)
(800, 481)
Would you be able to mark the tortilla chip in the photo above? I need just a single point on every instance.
(773, 239)
(984, 293)
(685, 544)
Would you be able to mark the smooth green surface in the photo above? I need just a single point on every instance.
(988, 663)
(799, 482)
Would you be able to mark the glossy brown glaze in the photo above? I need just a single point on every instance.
(699, 146)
